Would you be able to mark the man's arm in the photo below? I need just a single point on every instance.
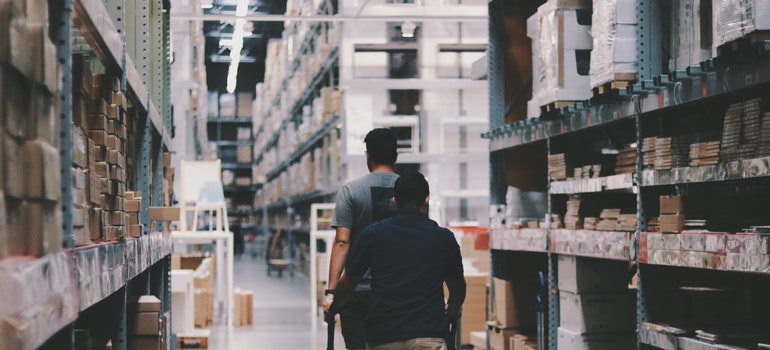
(337, 263)
(345, 287)
(456, 287)
(339, 253)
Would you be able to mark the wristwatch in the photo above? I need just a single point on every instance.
(329, 291)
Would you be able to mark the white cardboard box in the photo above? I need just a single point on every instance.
(586, 275)
(570, 340)
(597, 313)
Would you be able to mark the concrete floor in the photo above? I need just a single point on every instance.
(282, 316)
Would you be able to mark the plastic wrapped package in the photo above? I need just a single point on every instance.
(533, 32)
(614, 41)
(562, 48)
(688, 47)
(734, 19)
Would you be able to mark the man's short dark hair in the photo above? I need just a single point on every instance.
(411, 189)
(381, 146)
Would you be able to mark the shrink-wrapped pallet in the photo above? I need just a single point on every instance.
(613, 29)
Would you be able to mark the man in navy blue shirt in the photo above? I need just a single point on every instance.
(410, 258)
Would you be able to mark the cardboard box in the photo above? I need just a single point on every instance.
(597, 313)
(164, 213)
(145, 342)
(43, 123)
(17, 92)
(132, 205)
(131, 195)
(571, 340)
(515, 303)
(145, 323)
(475, 306)
(671, 205)
(134, 230)
(200, 318)
(42, 222)
(671, 223)
(586, 275)
(14, 175)
(144, 303)
(245, 100)
(79, 147)
(117, 173)
(95, 224)
(500, 338)
(244, 154)
(41, 169)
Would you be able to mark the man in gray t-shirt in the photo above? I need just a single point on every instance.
(361, 202)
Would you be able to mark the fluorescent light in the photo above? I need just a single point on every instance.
(226, 42)
(241, 9)
(407, 29)
(207, 6)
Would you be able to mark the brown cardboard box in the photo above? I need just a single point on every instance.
(243, 181)
(671, 205)
(99, 122)
(79, 147)
(671, 223)
(13, 158)
(515, 304)
(94, 189)
(132, 205)
(95, 224)
(134, 231)
(131, 195)
(475, 306)
(43, 227)
(164, 213)
(500, 338)
(244, 154)
(146, 323)
(245, 100)
(101, 169)
(79, 178)
(133, 219)
(144, 342)
(43, 123)
(117, 173)
(144, 303)
(200, 308)
(99, 137)
(17, 92)
(41, 169)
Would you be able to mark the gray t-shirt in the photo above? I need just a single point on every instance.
(361, 202)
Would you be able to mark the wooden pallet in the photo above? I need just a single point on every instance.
(750, 44)
(611, 87)
(197, 341)
(555, 106)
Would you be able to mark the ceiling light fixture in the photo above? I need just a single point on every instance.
(241, 9)
(226, 42)
(407, 29)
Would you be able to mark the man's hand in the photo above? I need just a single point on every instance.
(328, 300)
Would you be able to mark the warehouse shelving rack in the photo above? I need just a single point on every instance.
(639, 111)
(91, 285)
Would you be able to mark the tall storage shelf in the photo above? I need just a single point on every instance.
(230, 133)
(298, 120)
(63, 273)
(658, 177)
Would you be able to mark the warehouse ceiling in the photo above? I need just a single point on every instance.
(251, 69)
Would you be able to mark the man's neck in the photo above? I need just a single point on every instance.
(380, 168)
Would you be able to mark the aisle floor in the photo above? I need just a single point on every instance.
(282, 316)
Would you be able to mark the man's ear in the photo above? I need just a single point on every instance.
(427, 200)
(393, 199)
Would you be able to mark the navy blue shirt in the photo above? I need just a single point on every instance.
(410, 257)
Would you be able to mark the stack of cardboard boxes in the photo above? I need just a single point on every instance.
(474, 317)
(203, 282)
(29, 105)
(102, 121)
(596, 306)
(146, 329)
(515, 303)
(671, 217)
(243, 308)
